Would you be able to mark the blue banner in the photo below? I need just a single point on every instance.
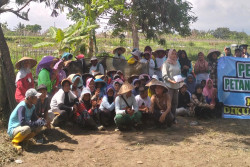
(234, 86)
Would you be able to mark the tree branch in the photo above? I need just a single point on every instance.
(24, 6)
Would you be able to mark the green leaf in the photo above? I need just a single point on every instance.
(43, 44)
(72, 29)
(59, 35)
(52, 32)
(74, 39)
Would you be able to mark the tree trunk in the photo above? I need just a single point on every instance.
(8, 70)
(91, 44)
(135, 36)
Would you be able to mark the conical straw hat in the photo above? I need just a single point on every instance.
(33, 62)
(126, 87)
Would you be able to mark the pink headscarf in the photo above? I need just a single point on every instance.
(88, 82)
(209, 91)
(172, 59)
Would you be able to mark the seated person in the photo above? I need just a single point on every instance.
(24, 123)
(117, 85)
(200, 108)
(144, 103)
(43, 105)
(136, 84)
(183, 101)
(210, 94)
(107, 107)
(87, 113)
(77, 83)
(100, 86)
(190, 81)
(126, 109)
(161, 105)
(63, 104)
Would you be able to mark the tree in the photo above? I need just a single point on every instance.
(152, 18)
(20, 28)
(5, 59)
(222, 33)
(33, 28)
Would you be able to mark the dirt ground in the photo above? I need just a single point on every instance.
(217, 142)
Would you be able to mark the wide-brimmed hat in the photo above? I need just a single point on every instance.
(243, 46)
(93, 58)
(125, 88)
(71, 76)
(132, 77)
(136, 53)
(153, 80)
(99, 76)
(122, 48)
(111, 71)
(66, 80)
(100, 81)
(211, 51)
(158, 83)
(32, 62)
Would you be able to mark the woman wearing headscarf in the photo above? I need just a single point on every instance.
(170, 69)
(201, 68)
(107, 107)
(44, 70)
(61, 74)
(77, 84)
(212, 65)
(186, 65)
(24, 78)
(200, 108)
(190, 82)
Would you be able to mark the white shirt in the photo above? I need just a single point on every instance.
(58, 98)
(93, 71)
(151, 65)
(140, 101)
(159, 62)
(120, 104)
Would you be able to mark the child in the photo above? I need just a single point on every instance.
(183, 102)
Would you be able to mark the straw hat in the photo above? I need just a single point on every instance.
(125, 88)
(122, 48)
(158, 83)
(211, 51)
(32, 62)
(71, 76)
(66, 80)
(132, 77)
(111, 71)
(153, 80)
(99, 76)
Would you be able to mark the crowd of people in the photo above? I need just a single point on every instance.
(98, 99)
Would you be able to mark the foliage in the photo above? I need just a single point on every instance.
(70, 39)
(33, 28)
(153, 18)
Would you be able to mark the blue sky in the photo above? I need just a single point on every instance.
(233, 14)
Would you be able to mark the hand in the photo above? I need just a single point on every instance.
(97, 92)
(211, 106)
(172, 81)
(162, 118)
(94, 103)
(74, 107)
(146, 110)
(130, 111)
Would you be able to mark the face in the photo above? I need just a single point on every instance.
(94, 62)
(86, 97)
(203, 83)
(106, 79)
(244, 50)
(190, 79)
(183, 89)
(117, 87)
(44, 93)
(110, 92)
(183, 55)
(214, 56)
(227, 51)
(92, 86)
(174, 54)
(199, 90)
(32, 100)
(26, 64)
(200, 56)
(147, 56)
(209, 84)
(129, 94)
(237, 53)
(76, 82)
(144, 94)
(66, 87)
(159, 90)
(119, 51)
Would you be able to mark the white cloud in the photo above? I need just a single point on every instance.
(38, 14)
(211, 15)
(222, 13)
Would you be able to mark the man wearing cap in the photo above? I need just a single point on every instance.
(96, 67)
(24, 78)
(63, 104)
(244, 51)
(126, 108)
(227, 51)
(24, 123)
